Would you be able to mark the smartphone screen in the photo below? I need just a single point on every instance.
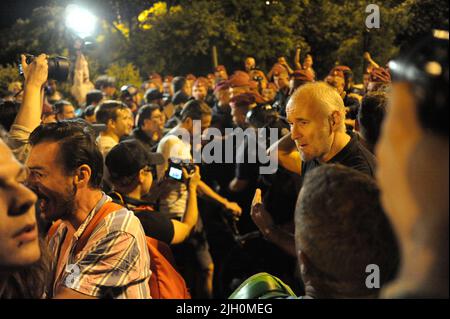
(175, 173)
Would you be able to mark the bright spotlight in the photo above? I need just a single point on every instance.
(80, 21)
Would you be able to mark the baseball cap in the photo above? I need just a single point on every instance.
(153, 94)
(128, 157)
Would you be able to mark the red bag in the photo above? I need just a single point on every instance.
(165, 281)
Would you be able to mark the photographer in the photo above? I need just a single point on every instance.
(132, 170)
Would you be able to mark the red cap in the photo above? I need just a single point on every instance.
(239, 79)
(244, 100)
(278, 69)
(303, 75)
(224, 85)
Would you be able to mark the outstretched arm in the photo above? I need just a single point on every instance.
(369, 60)
(298, 65)
(270, 231)
(209, 192)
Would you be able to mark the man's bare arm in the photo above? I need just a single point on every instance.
(280, 237)
(29, 115)
(288, 155)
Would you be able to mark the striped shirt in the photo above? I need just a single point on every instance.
(114, 263)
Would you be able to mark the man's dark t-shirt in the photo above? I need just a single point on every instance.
(353, 155)
(142, 137)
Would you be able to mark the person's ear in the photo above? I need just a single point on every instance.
(141, 176)
(82, 176)
(336, 120)
(111, 124)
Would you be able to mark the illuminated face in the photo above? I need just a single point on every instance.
(221, 75)
(109, 91)
(67, 114)
(250, 64)
(187, 88)
(399, 135)
(308, 62)
(155, 124)
(167, 88)
(19, 244)
(123, 125)
(55, 189)
(282, 80)
(269, 94)
(199, 92)
(310, 129)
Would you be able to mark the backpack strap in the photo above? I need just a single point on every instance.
(106, 209)
(52, 231)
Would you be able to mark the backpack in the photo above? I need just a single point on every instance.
(165, 281)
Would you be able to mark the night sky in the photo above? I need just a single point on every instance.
(11, 10)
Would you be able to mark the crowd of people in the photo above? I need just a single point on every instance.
(102, 194)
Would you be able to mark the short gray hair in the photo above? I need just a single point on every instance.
(325, 96)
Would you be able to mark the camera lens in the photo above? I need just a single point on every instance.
(58, 68)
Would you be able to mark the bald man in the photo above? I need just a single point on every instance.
(316, 114)
(250, 64)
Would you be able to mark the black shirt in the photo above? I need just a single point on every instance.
(142, 137)
(155, 224)
(353, 155)
(281, 100)
(353, 104)
(221, 117)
